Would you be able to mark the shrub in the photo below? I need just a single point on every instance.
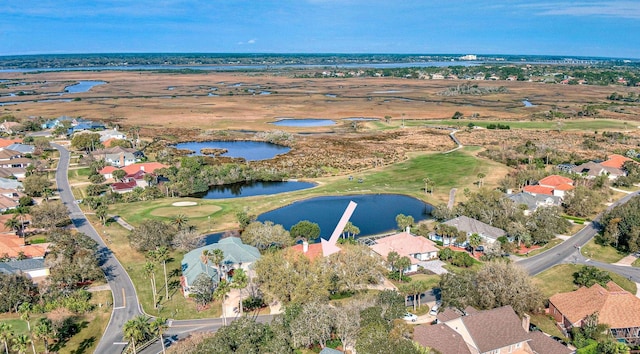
(252, 303)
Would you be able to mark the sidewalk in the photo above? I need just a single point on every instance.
(626, 261)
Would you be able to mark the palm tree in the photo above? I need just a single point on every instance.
(25, 315)
(180, 221)
(240, 281)
(474, 241)
(427, 182)
(204, 257)
(21, 343)
(44, 330)
(216, 257)
(350, 230)
(136, 330)
(162, 256)
(158, 326)
(6, 334)
(221, 292)
(13, 224)
(481, 177)
(150, 273)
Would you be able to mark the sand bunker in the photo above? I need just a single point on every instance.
(181, 204)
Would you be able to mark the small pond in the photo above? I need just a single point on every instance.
(375, 214)
(249, 189)
(82, 86)
(308, 122)
(249, 150)
(527, 103)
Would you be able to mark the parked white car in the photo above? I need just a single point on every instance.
(434, 310)
(410, 317)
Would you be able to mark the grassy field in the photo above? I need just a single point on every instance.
(636, 263)
(458, 169)
(559, 279)
(607, 254)
(568, 124)
(546, 324)
(176, 306)
(78, 175)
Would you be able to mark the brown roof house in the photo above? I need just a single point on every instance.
(616, 307)
(613, 167)
(495, 331)
(416, 248)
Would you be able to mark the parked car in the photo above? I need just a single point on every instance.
(410, 317)
(480, 249)
(434, 309)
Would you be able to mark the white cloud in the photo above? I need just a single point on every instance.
(251, 41)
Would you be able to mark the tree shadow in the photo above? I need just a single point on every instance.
(84, 345)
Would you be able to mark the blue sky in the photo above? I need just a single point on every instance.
(605, 28)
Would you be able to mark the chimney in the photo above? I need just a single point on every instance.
(526, 320)
(408, 230)
(141, 167)
(305, 246)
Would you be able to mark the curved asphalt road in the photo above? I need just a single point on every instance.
(568, 251)
(125, 300)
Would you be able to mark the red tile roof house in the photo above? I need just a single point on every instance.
(551, 185)
(416, 248)
(493, 331)
(617, 308)
(134, 177)
(611, 167)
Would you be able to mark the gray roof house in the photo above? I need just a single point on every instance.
(236, 255)
(32, 268)
(22, 148)
(533, 201)
(118, 156)
(471, 226)
(7, 183)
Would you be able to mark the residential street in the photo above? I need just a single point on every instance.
(125, 300)
(568, 251)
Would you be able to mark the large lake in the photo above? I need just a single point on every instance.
(249, 150)
(250, 189)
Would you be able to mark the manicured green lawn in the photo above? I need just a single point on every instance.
(546, 324)
(636, 263)
(559, 279)
(606, 254)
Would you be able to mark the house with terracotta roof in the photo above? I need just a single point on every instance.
(309, 250)
(554, 185)
(236, 255)
(13, 247)
(6, 142)
(616, 307)
(470, 226)
(148, 167)
(495, 331)
(416, 248)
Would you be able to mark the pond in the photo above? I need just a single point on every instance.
(527, 103)
(249, 150)
(307, 122)
(82, 86)
(250, 189)
(375, 214)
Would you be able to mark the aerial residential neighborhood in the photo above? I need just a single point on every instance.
(304, 177)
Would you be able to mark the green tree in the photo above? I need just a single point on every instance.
(589, 275)
(35, 184)
(222, 290)
(402, 264)
(21, 343)
(350, 230)
(161, 254)
(306, 230)
(404, 221)
(25, 309)
(136, 330)
(86, 141)
(49, 214)
(157, 328)
(6, 335)
(215, 256)
(474, 241)
(180, 221)
(118, 174)
(244, 218)
(202, 289)
(240, 281)
(44, 330)
(265, 235)
(150, 273)
(151, 234)
(102, 212)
